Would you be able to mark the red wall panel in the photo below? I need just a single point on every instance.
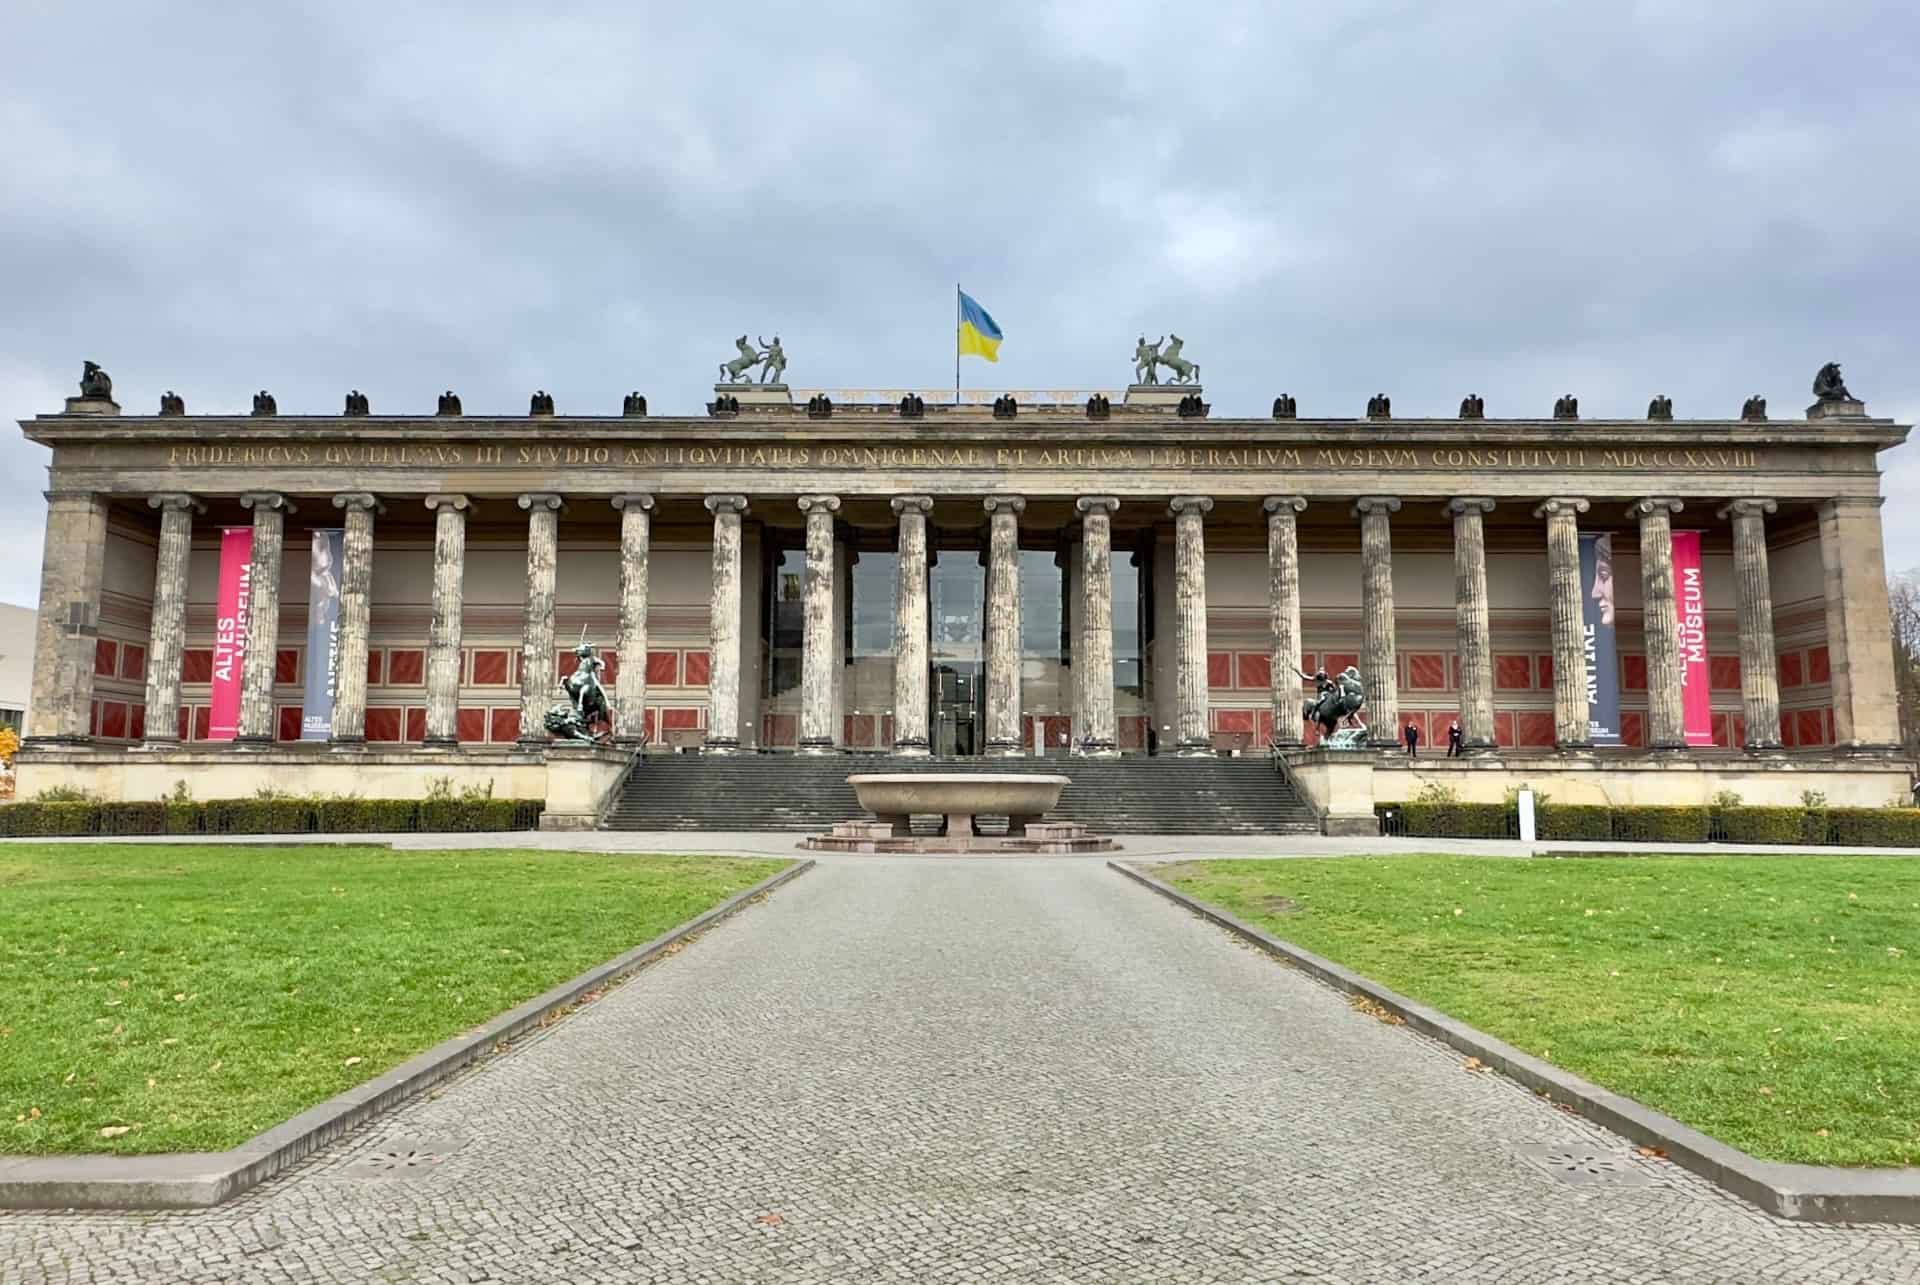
(698, 667)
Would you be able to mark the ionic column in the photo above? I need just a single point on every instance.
(1572, 719)
(1283, 614)
(1759, 683)
(349, 725)
(636, 543)
(1190, 628)
(270, 510)
(1003, 625)
(167, 635)
(816, 627)
(67, 628)
(1471, 629)
(1093, 665)
(443, 630)
(1376, 617)
(537, 680)
(1666, 710)
(910, 679)
(1859, 635)
(723, 615)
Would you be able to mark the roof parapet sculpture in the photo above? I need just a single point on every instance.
(1473, 406)
(1661, 407)
(95, 383)
(449, 403)
(1284, 407)
(819, 406)
(1567, 406)
(172, 403)
(1828, 386)
(357, 403)
(1149, 357)
(1379, 406)
(771, 358)
(913, 406)
(1005, 407)
(1098, 407)
(541, 403)
(1754, 408)
(633, 405)
(263, 403)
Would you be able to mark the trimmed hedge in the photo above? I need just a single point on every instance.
(1573, 821)
(268, 816)
(1844, 827)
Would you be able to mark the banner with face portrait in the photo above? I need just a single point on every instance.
(1597, 621)
(230, 631)
(1690, 606)
(323, 636)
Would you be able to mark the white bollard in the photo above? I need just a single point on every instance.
(1526, 815)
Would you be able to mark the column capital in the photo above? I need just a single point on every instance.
(1469, 504)
(718, 504)
(1376, 504)
(919, 503)
(176, 500)
(1555, 505)
(266, 500)
(1647, 506)
(359, 500)
(633, 500)
(1296, 503)
(1190, 504)
(448, 501)
(1005, 504)
(1852, 502)
(1748, 508)
(543, 500)
(1105, 504)
(826, 505)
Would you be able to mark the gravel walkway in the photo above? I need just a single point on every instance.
(966, 1070)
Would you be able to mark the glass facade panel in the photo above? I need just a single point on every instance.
(867, 688)
(956, 600)
(1046, 682)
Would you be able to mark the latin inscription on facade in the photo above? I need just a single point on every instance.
(976, 457)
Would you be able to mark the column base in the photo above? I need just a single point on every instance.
(346, 744)
(54, 742)
(1475, 749)
(440, 743)
(533, 744)
(913, 747)
(1189, 747)
(1668, 747)
(818, 745)
(1763, 747)
(158, 743)
(1864, 749)
(1097, 749)
(1575, 747)
(1005, 749)
(251, 743)
(721, 745)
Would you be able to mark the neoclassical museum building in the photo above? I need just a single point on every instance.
(1650, 608)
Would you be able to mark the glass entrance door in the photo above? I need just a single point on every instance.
(957, 603)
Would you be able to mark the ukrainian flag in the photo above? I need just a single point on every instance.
(979, 337)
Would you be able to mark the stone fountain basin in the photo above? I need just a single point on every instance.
(959, 797)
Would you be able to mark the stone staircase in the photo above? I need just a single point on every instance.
(788, 792)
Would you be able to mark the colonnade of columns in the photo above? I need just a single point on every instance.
(1857, 633)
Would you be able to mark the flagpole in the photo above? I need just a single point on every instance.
(956, 343)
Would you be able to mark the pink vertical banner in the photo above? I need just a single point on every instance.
(230, 630)
(1690, 606)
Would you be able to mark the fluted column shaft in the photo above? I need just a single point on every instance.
(1572, 716)
(538, 681)
(910, 677)
(443, 628)
(270, 511)
(1283, 616)
(167, 636)
(723, 628)
(349, 725)
(1472, 630)
(1666, 708)
(1190, 619)
(1093, 700)
(1003, 625)
(1753, 594)
(636, 542)
(1866, 712)
(67, 628)
(816, 627)
(1376, 617)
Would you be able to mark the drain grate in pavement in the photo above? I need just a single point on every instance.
(1586, 1166)
(403, 1157)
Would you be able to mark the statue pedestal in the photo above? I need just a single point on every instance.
(1845, 408)
(1158, 396)
(1339, 785)
(756, 394)
(92, 406)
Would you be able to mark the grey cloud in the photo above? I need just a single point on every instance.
(1686, 198)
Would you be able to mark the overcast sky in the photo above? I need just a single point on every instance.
(1702, 199)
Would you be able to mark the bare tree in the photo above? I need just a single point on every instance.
(1903, 601)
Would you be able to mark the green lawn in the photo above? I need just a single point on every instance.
(1769, 1002)
(193, 996)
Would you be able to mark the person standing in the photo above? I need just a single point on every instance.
(1413, 739)
(1454, 739)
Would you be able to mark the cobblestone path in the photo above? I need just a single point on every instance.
(927, 1071)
